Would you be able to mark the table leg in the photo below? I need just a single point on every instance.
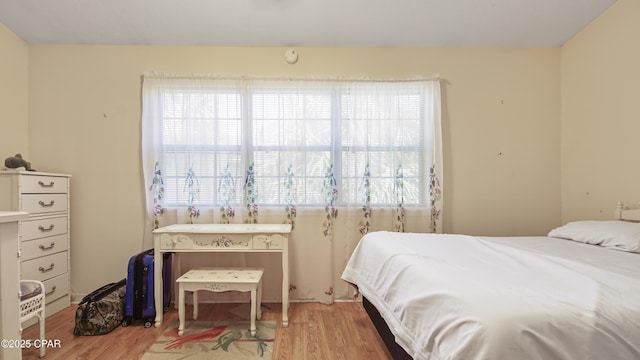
(285, 284)
(181, 313)
(195, 304)
(157, 282)
(259, 301)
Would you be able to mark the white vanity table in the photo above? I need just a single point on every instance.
(265, 238)
(10, 282)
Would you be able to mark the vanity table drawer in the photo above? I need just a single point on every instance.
(42, 247)
(43, 203)
(45, 267)
(265, 242)
(44, 184)
(175, 241)
(205, 241)
(222, 241)
(45, 227)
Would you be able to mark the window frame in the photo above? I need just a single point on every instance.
(247, 151)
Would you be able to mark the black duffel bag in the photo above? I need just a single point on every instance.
(101, 311)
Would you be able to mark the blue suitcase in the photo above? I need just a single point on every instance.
(139, 297)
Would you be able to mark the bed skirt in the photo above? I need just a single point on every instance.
(396, 351)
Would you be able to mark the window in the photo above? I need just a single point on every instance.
(371, 137)
(202, 132)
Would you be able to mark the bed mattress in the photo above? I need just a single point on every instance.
(463, 297)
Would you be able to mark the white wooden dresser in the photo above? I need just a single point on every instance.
(45, 235)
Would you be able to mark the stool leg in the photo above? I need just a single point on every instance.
(259, 301)
(181, 309)
(195, 304)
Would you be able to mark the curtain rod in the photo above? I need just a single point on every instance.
(154, 75)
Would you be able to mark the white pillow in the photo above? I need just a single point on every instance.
(613, 234)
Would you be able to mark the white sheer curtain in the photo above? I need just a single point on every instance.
(335, 158)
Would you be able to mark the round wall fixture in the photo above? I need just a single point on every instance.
(291, 56)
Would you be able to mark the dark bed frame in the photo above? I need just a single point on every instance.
(396, 351)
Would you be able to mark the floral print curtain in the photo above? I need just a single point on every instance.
(386, 175)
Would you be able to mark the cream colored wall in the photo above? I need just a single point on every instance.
(501, 128)
(14, 79)
(601, 115)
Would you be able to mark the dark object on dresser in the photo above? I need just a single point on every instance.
(14, 162)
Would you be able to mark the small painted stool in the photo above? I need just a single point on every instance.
(221, 280)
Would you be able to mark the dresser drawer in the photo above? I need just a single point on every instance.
(42, 247)
(46, 227)
(44, 268)
(43, 184)
(44, 203)
(263, 241)
(56, 287)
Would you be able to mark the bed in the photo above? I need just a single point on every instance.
(574, 294)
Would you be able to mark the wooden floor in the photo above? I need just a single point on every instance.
(315, 331)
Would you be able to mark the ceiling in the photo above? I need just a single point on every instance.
(521, 23)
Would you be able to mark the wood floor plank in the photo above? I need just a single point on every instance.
(315, 332)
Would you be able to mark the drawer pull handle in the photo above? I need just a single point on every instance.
(43, 248)
(43, 270)
(43, 229)
(53, 289)
(46, 205)
(45, 185)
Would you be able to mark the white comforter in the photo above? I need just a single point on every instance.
(469, 298)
